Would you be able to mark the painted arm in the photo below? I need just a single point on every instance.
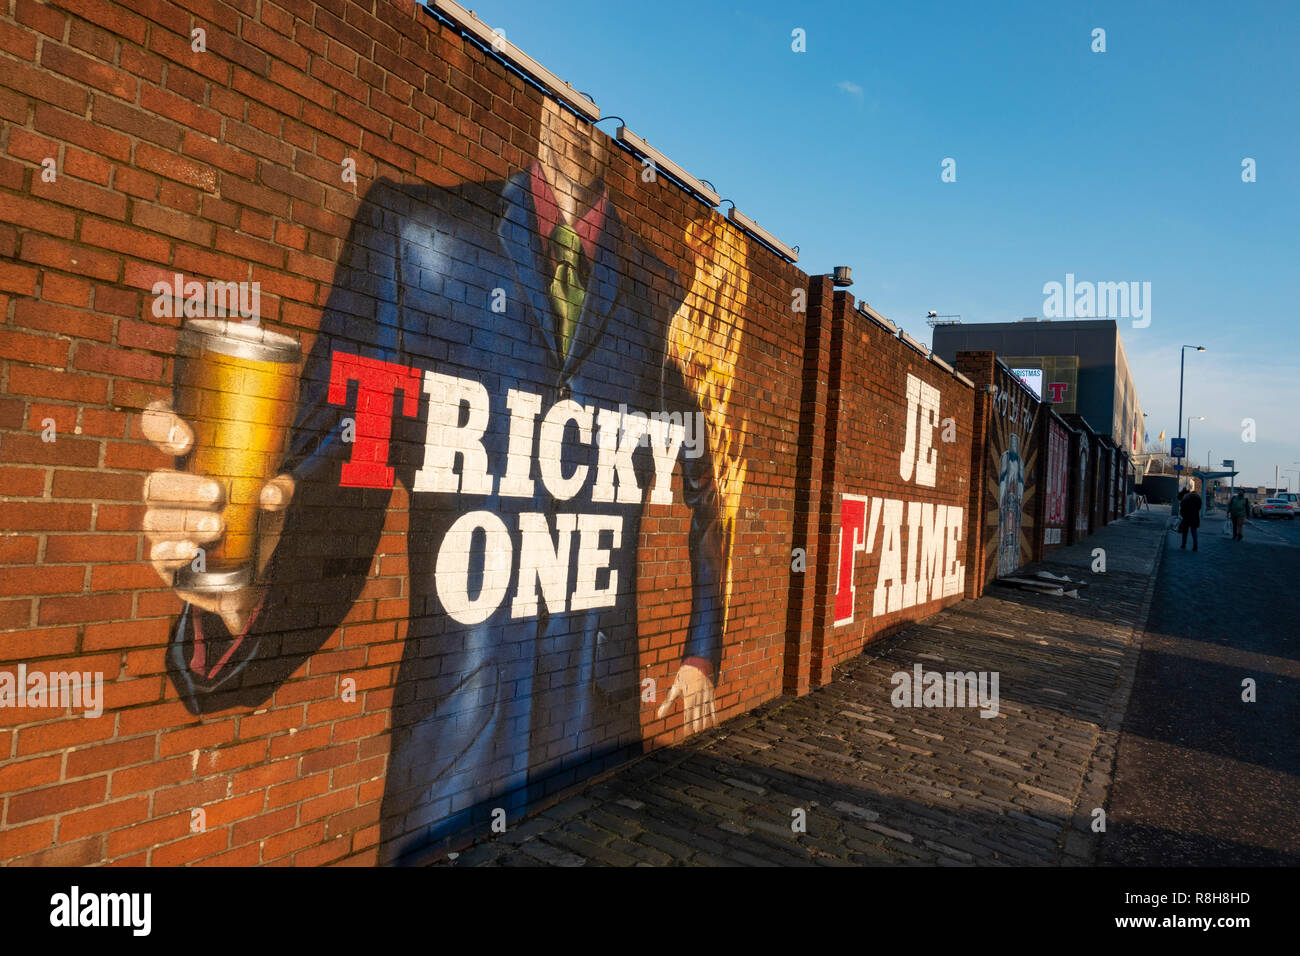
(697, 676)
(700, 492)
(330, 532)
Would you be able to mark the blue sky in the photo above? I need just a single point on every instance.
(1115, 166)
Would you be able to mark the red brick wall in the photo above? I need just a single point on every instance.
(227, 165)
(1055, 442)
(813, 553)
(866, 434)
(979, 368)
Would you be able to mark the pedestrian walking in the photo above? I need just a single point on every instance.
(1190, 508)
(1238, 508)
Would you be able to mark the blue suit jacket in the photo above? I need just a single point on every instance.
(499, 713)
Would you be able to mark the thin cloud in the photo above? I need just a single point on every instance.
(849, 87)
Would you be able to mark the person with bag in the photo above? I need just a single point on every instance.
(1238, 508)
(1190, 508)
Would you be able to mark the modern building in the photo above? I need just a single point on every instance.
(1079, 366)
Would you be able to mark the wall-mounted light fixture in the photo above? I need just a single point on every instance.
(934, 357)
(750, 226)
(639, 146)
(919, 346)
(876, 317)
(561, 90)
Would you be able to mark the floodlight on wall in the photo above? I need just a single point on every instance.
(639, 146)
(750, 226)
(843, 277)
(876, 317)
(920, 347)
(467, 21)
(940, 362)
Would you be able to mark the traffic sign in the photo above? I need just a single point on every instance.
(1178, 447)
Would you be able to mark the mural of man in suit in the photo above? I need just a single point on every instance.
(507, 323)
(1011, 493)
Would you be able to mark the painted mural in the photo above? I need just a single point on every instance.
(1056, 485)
(1101, 472)
(704, 340)
(533, 376)
(1080, 447)
(917, 545)
(1012, 476)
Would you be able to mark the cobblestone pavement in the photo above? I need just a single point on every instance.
(883, 785)
(1204, 778)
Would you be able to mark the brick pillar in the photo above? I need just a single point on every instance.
(1071, 491)
(820, 670)
(978, 367)
(1094, 462)
(1043, 427)
(816, 422)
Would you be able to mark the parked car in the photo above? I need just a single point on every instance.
(1276, 508)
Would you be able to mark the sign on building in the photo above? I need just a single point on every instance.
(1032, 377)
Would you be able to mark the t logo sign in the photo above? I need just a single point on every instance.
(1058, 390)
(922, 419)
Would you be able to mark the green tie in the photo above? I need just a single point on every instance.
(566, 288)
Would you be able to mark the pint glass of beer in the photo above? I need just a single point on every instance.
(235, 386)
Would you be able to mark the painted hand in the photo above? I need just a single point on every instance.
(184, 511)
(696, 691)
